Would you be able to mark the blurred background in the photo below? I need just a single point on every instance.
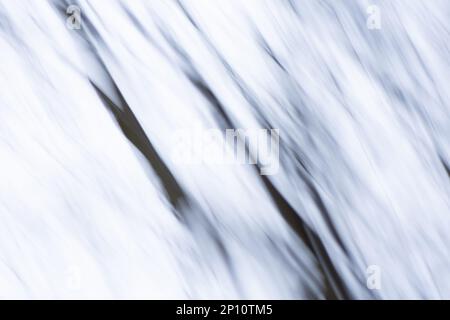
(98, 198)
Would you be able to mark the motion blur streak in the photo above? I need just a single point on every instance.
(93, 205)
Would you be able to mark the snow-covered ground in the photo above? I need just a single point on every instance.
(97, 202)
